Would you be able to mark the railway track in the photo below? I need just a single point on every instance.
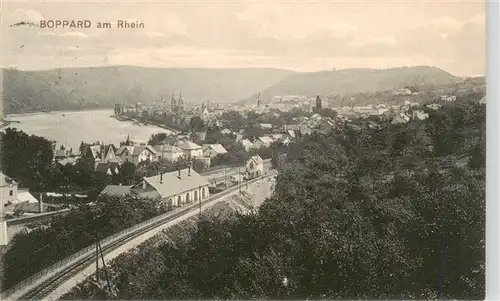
(44, 288)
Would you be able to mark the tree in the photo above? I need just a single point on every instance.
(28, 159)
(196, 124)
(157, 139)
(126, 173)
(233, 119)
(327, 112)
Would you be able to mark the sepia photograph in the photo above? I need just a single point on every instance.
(243, 150)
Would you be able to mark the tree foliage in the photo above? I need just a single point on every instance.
(361, 213)
(68, 234)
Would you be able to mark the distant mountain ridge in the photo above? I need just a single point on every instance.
(353, 81)
(101, 87)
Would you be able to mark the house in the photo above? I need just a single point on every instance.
(66, 161)
(180, 139)
(63, 153)
(434, 106)
(226, 132)
(266, 126)
(247, 144)
(169, 153)
(400, 118)
(204, 114)
(101, 153)
(212, 150)
(11, 195)
(285, 140)
(404, 91)
(419, 115)
(8, 191)
(201, 135)
(305, 130)
(136, 153)
(276, 137)
(107, 168)
(448, 98)
(115, 190)
(192, 150)
(174, 188)
(255, 166)
(264, 141)
(483, 100)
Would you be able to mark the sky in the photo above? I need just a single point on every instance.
(304, 36)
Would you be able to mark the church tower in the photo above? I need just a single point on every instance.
(319, 105)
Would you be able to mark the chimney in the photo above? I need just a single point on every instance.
(189, 170)
(143, 184)
(40, 203)
(161, 178)
(179, 174)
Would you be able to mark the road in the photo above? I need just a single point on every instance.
(220, 175)
(261, 190)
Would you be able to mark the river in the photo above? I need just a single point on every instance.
(72, 127)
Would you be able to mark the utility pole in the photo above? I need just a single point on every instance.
(225, 176)
(239, 178)
(96, 257)
(199, 199)
(103, 262)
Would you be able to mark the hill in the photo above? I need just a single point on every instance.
(100, 87)
(354, 81)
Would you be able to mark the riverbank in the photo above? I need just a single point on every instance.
(70, 128)
(35, 113)
(148, 122)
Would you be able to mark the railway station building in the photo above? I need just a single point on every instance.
(175, 188)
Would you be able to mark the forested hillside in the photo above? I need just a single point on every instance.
(353, 81)
(396, 212)
(101, 87)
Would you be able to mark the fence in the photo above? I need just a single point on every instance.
(68, 261)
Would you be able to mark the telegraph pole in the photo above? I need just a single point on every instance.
(96, 257)
(199, 199)
(103, 262)
(225, 176)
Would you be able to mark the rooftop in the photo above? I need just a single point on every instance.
(188, 145)
(115, 190)
(169, 184)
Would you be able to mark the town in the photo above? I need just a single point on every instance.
(233, 151)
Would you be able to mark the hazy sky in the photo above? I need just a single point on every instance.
(299, 35)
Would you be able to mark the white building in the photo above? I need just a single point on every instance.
(404, 91)
(419, 115)
(264, 141)
(192, 150)
(213, 150)
(169, 153)
(11, 194)
(448, 98)
(247, 144)
(173, 188)
(136, 153)
(255, 167)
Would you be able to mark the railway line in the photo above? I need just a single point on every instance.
(39, 289)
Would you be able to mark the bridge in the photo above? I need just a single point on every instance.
(42, 284)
